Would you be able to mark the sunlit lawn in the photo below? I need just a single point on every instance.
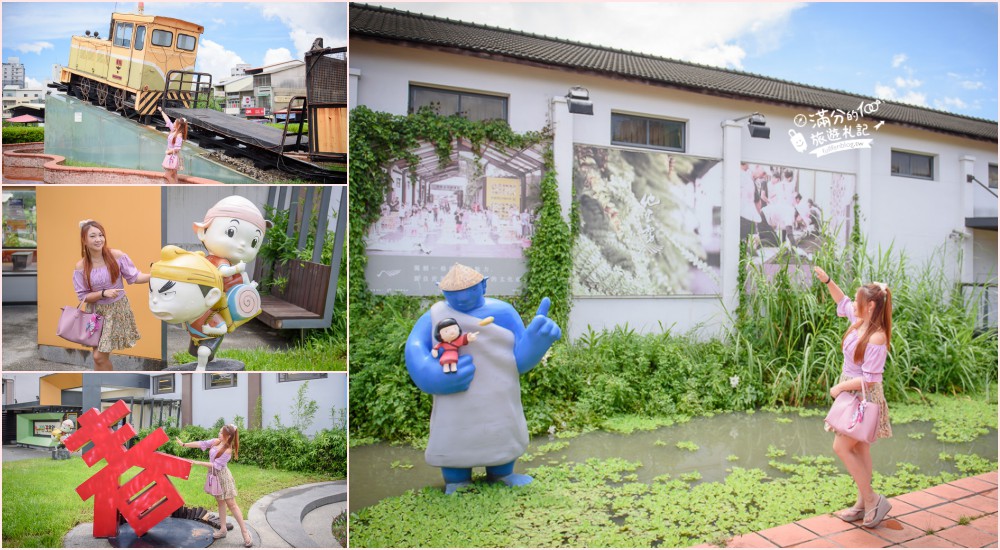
(40, 504)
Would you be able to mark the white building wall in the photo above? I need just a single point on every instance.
(278, 398)
(914, 215)
(208, 405)
(25, 386)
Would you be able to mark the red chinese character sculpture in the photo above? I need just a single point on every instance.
(146, 499)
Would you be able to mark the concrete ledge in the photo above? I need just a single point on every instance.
(26, 161)
(83, 358)
(290, 506)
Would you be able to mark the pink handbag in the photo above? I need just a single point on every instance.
(81, 327)
(212, 485)
(854, 417)
(171, 162)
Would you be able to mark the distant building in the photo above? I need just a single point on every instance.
(13, 72)
(235, 93)
(14, 96)
(275, 85)
(239, 70)
(56, 71)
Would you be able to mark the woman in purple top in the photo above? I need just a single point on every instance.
(865, 346)
(220, 451)
(175, 139)
(99, 279)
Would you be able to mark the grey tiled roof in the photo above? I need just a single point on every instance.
(405, 27)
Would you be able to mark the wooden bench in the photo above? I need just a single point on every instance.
(306, 300)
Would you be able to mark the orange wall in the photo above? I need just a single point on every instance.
(131, 219)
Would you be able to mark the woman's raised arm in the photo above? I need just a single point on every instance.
(835, 291)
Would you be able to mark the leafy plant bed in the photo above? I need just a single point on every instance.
(732, 454)
(598, 504)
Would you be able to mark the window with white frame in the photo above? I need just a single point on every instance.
(642, 131)
(993, 176)
(471, 105)
(163, 383)
(912, 165)
(298, 376)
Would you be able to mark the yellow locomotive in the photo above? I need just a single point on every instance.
(127, 71)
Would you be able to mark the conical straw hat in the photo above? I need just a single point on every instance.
(460, 277)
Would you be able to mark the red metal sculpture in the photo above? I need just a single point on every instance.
(146, 499)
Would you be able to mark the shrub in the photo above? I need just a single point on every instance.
(23, 134)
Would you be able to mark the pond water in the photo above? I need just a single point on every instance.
(373, 477)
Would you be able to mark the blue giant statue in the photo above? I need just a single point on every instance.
(477, 419)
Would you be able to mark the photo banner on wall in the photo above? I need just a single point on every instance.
(790, 207)
(477, 209)
(650, 223)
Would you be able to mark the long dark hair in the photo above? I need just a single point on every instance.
(181, 127)
(443, 324)
(879, 295)
(109, 258)
(232, 441)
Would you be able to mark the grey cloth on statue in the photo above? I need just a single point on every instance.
(484, 425)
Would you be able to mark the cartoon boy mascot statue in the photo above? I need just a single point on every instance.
(477, 417)
(233, 232)
(184, 287)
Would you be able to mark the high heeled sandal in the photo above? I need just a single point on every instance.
(850, 515)
(248, 543)
(217, 536)
(879, 513)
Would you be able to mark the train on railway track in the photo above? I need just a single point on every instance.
(128, 70)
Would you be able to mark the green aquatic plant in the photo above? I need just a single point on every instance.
(732, 458)
(687, 445)
(396, 464)
(599, 503)
(783, 420)
(916, 435)
(774, 452)
(691, 476)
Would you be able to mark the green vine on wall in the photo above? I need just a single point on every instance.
(378, 139)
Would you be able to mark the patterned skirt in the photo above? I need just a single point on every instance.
(875, 397)
(227, 484)
(119, 330)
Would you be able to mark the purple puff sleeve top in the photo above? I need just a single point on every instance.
(218, 462)
(175, 141)
(100, 279)
(873, 364)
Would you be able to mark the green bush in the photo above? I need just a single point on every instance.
(784, 348)
(286, 449)
(23, 134)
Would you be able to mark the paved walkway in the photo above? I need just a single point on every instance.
(960, 514)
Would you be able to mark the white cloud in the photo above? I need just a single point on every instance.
(914, 98)
(950, 104)
(278, 55)
(679, 28)
(907, 82)
(33, 83)
(215, 59)
(33, 47)
(898, 60)
(973, 85)
(308, 21)
(884, 92)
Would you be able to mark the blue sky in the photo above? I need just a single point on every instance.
(255, 33)
(937, 55)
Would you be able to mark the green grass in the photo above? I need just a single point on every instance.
(293, 127)
(40, 504)
(316, 355)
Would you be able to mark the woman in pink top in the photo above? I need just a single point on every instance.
(99, 279)
(865, 346)
(175, 140)
(220, 451)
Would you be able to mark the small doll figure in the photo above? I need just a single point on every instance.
(450, 338)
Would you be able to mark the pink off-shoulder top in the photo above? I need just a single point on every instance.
(873, 364)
